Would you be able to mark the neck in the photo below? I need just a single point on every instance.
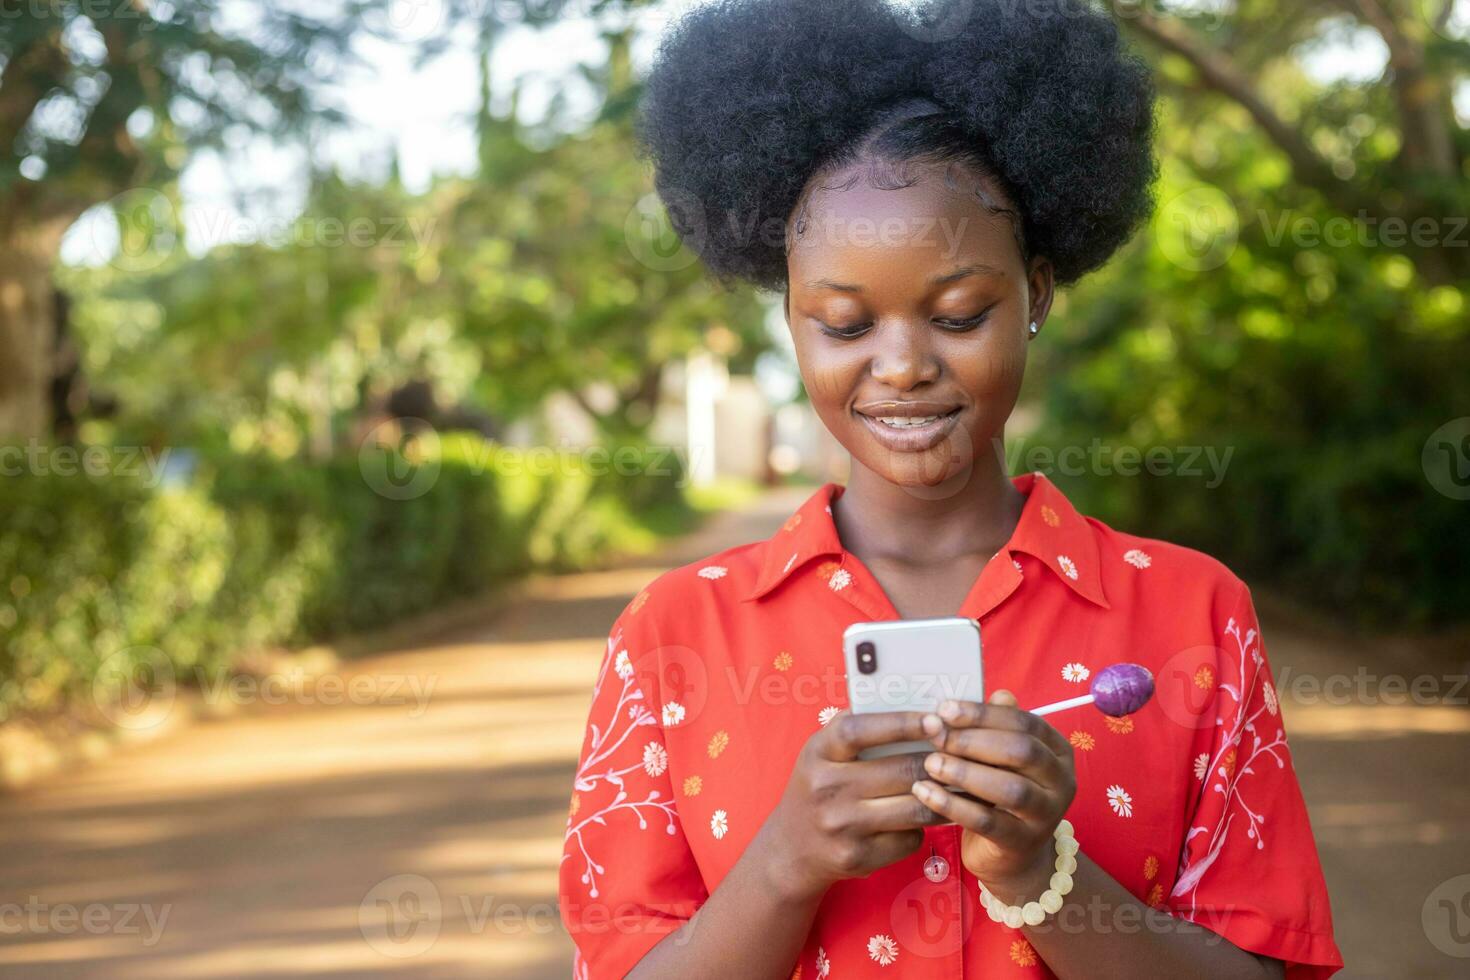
(971, 513)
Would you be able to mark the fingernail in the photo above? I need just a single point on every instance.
(950, 710)
(922, 789)
(933, 724)
(933, 763)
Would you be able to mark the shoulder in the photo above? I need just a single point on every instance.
(1162, 573)
(693, 596)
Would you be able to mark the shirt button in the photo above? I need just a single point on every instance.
(936, 869)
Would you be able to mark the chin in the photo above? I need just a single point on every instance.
(935, 473)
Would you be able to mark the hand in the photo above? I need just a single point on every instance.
(844, 817)
(1021, 768)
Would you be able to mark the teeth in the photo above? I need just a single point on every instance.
(906, 422)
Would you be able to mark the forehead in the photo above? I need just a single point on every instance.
(845, 222)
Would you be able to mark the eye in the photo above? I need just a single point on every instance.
(959, 326)
(843, 333)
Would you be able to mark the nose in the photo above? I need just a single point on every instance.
(905, 357)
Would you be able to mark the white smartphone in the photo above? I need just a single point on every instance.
(911, 665)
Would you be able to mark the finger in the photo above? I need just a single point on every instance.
(888, 776)
(1004, 697)
(1016, 751)
(1003, 788)
(848, 734)
(882, 849)
(971, 714)
(899, 812)
(993, 824)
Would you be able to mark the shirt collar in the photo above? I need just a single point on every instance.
(1050, 529)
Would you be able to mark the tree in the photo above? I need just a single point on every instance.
(1293, 374)
(99, 98)
(1415, 172)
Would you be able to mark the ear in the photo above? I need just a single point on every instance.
(1041, 287)
(786, 305)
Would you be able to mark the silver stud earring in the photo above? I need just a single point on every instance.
(1034, 328)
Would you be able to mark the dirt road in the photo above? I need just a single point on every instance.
(413, 828)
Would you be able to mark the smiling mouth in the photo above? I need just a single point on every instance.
(910, 421)
(909, 432)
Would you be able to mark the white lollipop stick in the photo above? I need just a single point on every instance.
(1122, 688)
(1055, 706)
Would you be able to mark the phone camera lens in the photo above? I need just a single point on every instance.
(867, 658)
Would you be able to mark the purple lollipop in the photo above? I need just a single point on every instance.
(1122, 689)
(1117, 690)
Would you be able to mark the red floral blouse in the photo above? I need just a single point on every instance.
(718, 672)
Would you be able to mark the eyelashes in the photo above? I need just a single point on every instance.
(857, 330)
(843, 333)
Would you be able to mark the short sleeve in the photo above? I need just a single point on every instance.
(627, 876)
(1249, 869)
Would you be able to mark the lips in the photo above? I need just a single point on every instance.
(909, 427)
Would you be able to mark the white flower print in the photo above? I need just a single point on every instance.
(623, 665)
(1076, 673)
(1226, 761)
(713, 572)
(598, 768)
(655, 759)
(1120, 801)
(673, 713)
(840, 580)
(719, 824)
(1019, 569)
(882, 949)
(824, 965)
(1068, 566)
(1201, 765)
(1269, 694)
(1137, 558)
(827, 714)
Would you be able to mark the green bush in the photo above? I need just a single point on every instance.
(259, 552)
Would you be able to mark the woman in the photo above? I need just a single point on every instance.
(917, 190)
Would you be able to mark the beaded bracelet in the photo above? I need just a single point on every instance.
(1033, 913)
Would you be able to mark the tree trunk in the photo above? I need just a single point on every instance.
(27, 330)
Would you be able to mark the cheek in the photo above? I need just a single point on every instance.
(828, 375)
(992, 372)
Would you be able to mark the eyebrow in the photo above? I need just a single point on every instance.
(960, 273)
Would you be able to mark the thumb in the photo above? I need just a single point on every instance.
(1004, 697)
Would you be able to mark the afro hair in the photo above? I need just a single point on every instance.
(748, 99)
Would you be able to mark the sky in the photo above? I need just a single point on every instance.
(424, 114)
